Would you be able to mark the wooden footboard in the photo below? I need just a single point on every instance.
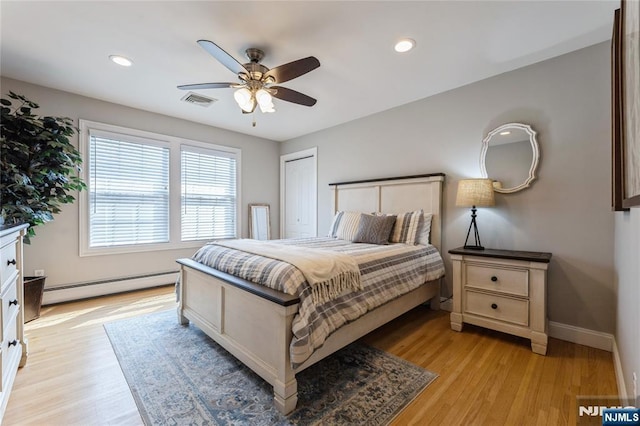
(255, 328)
(254, 323)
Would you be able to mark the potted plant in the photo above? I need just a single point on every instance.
(39, 166)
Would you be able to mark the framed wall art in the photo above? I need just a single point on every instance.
(630, 100)
(617, 163)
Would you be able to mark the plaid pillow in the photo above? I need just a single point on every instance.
(345, 225)
(407, 227)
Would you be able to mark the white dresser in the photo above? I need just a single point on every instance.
(13, 350)
(503, 290)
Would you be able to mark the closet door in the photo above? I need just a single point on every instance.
(300, 197)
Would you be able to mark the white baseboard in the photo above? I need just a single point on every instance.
(617, 365)
(582, 336)
(101, 288)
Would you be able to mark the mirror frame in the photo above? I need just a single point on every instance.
(534, 162)
(251, 209)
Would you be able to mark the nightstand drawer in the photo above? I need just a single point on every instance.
(501, 308)
(505, 280)
(8, 262)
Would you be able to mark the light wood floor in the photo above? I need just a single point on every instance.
(72, 376)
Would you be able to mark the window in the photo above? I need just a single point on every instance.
(208, 194)
(128, 192)
(148, 192)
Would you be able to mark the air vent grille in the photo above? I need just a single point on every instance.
(196, 99)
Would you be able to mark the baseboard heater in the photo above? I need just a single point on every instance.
(66, 293)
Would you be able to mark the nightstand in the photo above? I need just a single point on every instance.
(503, 290)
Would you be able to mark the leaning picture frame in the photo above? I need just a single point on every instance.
(617, 161)
(630, 100)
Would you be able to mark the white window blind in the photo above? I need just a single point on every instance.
(128, 191)
(208, 194)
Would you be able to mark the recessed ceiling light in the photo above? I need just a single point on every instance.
(405, 45)
(505, 133)
(121, 60)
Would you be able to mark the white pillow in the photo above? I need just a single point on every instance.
(424, 237)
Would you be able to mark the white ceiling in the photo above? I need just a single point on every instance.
(66, 45)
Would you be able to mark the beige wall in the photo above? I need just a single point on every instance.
(565, 212)
(55, 247)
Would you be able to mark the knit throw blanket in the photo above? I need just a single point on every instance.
(328, 273)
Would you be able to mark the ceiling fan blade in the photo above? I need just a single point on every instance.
(206, 86)
(293, 96)
(293, 69)
(223, 57)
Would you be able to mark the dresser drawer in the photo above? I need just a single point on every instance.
(9, 305)
(495, 278)
(10, 350)
(8, 262)
(502, 308)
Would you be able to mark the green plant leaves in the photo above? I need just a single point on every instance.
(39, 163)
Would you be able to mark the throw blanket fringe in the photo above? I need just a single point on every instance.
(329, 290)
(329, 274)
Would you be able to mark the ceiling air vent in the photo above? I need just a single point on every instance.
(194, 98)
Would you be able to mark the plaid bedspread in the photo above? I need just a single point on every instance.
(387, 272)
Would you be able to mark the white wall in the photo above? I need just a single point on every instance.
(566, 211)
(55, 247)
(627, 266)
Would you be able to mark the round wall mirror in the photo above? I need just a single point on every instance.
(509, 157)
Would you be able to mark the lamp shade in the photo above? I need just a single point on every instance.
(475, 192)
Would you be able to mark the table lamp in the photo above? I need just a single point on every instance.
(474, 193)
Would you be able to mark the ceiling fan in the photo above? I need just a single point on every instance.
(256, 86)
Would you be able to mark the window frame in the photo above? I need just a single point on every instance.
(175, 181)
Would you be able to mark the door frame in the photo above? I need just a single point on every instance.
(311, 152)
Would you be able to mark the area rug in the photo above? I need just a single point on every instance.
(179, 376)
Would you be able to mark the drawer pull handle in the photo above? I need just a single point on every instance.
(494, 306)
(12, 343)
(13, 302)
(11, 262)
(494, 278)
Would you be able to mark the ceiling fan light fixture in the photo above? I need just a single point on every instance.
(265, 101)
(263, 97)
(405, 45)
(250, 106)
(245, 99)
(121, 60)
(267, 108)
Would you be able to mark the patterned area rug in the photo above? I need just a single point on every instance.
(179, 376)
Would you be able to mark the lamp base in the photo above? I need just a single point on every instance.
(476, 235)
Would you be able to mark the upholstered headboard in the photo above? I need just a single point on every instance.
(394, 195)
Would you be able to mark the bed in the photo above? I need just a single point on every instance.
(255, 323)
